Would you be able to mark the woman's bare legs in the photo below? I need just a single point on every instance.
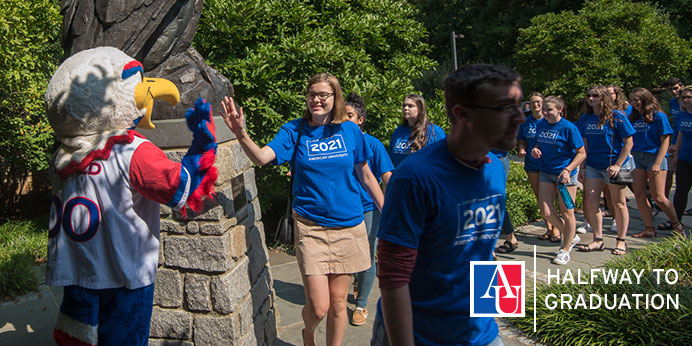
(325, 295)
(592, 210)
(534, 179)
(622, 214)
(337, 318)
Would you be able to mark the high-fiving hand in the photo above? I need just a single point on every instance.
(233, 119)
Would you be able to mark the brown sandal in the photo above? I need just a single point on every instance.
(648, 232)
(679, 229)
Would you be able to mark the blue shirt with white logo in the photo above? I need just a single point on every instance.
(558, 144)
(452, 214)
(647, 139)
(379, 164)
(603, 142)
(399, 146)
(527, 133)
(324, 187)
(685, 123)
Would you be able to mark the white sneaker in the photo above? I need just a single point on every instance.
(575, 241)
(562, 257)
(585, 227)
(614, 227)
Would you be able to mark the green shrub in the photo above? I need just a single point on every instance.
(29, 53)
(521, 202)
(22, 245)
(621, 327)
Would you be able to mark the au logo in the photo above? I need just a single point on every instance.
(497, 289)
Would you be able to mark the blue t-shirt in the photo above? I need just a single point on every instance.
(558, 143)
(324, 188)
(451, 214)
(379, 163)
(647, 139)
(399, 146)
(527, 133)
(685, 123)
(602, 149)
(628, 110)
(674, 113)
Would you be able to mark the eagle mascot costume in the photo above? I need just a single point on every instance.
(108, 183)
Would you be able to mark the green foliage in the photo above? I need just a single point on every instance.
(29, 53)
(22, 245)
(270, 48)
(621, 327)
(521, 202)
(607, 41)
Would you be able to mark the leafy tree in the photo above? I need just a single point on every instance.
(29, 53)
(607, 41)
(270, 48)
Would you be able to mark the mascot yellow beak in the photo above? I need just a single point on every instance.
(154, 89)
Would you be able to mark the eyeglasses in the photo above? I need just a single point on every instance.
(323, 96)
(508, 109)
(593, 95)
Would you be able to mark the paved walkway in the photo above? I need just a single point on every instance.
(30, 320)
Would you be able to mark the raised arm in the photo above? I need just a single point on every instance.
(234, 120)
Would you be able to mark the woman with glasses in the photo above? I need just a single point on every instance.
(683, 154)
(330, 237)
(415, 132)
(527, 139)
(650, 149)
(560, 148)
(607, 136)
(382, 168)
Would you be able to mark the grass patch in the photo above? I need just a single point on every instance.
(621, 327)
(23, 244)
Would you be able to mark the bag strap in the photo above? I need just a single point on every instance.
(292, 167)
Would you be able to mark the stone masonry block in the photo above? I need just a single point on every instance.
(197, 293)
(209, 253)
(245, 315)
(258, 328)
(162, 258)
(217, 228)
(238, 241)
(168, 342)
(228, 290)
(172, 227)
(271, 329)
(250, 184)
(241, 162)
(224, 162)
(192, 227)
(216, 330)
(224, 197)
(165, 211)
(257, 253)
(171, 324)
(168, 288)
(261, 290)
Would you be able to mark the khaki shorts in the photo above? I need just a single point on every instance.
(326, 250)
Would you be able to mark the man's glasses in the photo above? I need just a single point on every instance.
(508, 109)
(323, 96)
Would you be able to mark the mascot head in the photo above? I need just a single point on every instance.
(99, 93)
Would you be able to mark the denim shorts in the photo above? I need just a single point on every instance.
(593, 173)
(552, 178)
(646, 161)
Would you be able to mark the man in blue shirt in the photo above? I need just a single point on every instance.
(444, 208)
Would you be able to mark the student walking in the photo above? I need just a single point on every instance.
(683, 154)
(444, 208)
(382, 168)
(607, 136)
(415, 132)
(330, 237)
(650, 149)
(560, 148)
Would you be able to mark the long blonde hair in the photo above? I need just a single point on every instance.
(339, 109)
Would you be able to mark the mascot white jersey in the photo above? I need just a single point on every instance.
(108, 183)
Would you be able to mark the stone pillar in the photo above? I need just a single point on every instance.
(213, 285)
